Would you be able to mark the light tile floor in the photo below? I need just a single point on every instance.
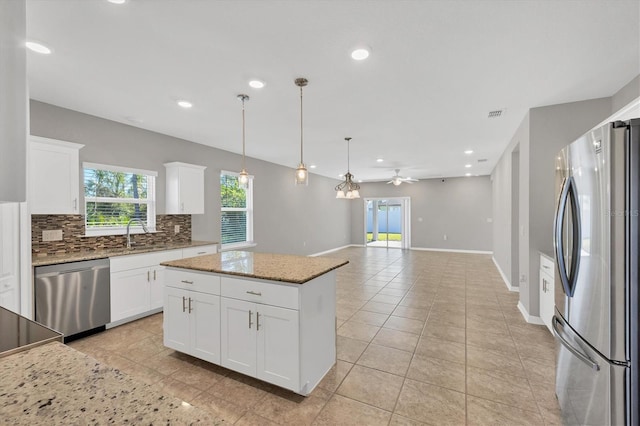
(423, 338)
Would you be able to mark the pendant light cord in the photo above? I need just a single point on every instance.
(243, 151)
(301, 133)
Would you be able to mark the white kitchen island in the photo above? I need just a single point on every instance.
(268, 316)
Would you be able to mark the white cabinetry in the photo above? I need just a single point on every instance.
(261, 341)
(281, 333)
(192, 314)
(185, 188)
(547, 292)
(54, 183)
(9, 256)
(199, 250)
(137, 284)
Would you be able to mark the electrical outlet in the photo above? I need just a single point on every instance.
(54, 235)
(445, 237)
(176, 229)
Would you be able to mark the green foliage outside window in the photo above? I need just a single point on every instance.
(119, 186)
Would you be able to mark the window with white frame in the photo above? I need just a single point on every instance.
(236, 201)
(114, 195)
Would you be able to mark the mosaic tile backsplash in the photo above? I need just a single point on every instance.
(74, 241)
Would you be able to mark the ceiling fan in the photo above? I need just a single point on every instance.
(397, 179)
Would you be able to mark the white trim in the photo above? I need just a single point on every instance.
(504, 277)
(236, 174)
(332, 250)
(529, 318)
(452, 250)
(56, 142)
(179, 164)
(110, 168)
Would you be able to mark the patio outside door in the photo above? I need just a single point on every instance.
(387, 222)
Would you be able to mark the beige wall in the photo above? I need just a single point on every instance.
(286, 219)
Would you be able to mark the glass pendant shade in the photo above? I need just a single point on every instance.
(339, 194)
(243, 178)
(302, 175)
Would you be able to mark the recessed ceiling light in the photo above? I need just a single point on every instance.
(313, 166)
(185, 104)
(257, 84)
(360, 181)
(467, 165)
(360, 54)
(469, 151)
(117, 1)
(467, 174)
(380, 160)
(38, 47)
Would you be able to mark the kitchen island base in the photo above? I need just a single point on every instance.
(281, 333)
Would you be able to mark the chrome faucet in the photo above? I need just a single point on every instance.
(144, 228)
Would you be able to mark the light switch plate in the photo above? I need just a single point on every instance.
(54, 235)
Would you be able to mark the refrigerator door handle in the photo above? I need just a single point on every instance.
(582, 357)
(568, 277)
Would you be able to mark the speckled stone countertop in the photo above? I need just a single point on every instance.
(265, 266)
(103, 254)
(54, 384)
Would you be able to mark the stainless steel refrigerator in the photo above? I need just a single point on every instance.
(596, 250)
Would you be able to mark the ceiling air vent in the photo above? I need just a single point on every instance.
(482, 160)
(496, 113)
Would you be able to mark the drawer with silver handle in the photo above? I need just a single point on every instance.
(547, 265)
(201, 282)
(268, 293)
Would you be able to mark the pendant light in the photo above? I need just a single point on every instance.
(302, 175)
(348, 189)
(243, 178)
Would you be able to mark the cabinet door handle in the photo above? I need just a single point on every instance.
(545, 287)
(255, 293)
(186, 282)
(154, 274)
(250, 323)
(184, 307)
(545, 266)
(202, 252)
(257, 321)
(148, 275)
(190, 308)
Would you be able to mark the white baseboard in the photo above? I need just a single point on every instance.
(334, 249)
(529, 318)
(452, 250)
(504, 277)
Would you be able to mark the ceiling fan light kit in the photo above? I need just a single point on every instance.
(348, 190)
(397, 179)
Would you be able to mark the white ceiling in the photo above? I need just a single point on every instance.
(436, 69)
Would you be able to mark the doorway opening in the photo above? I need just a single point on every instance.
(387, 222)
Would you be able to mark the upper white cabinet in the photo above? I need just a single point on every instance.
(54, 176)
(185, 188)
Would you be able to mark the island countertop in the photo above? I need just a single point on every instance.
(265, 266)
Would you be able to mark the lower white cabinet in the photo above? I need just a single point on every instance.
(281, 333)
(261, 341)
(137, 284)
(546, 290)
(192, 323)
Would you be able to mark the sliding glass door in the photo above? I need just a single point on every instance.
(386, 222)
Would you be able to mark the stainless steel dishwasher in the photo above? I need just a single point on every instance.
(73, 297)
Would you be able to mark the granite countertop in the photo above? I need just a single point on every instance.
(54, 384)
(103, 254)
(265, 266)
